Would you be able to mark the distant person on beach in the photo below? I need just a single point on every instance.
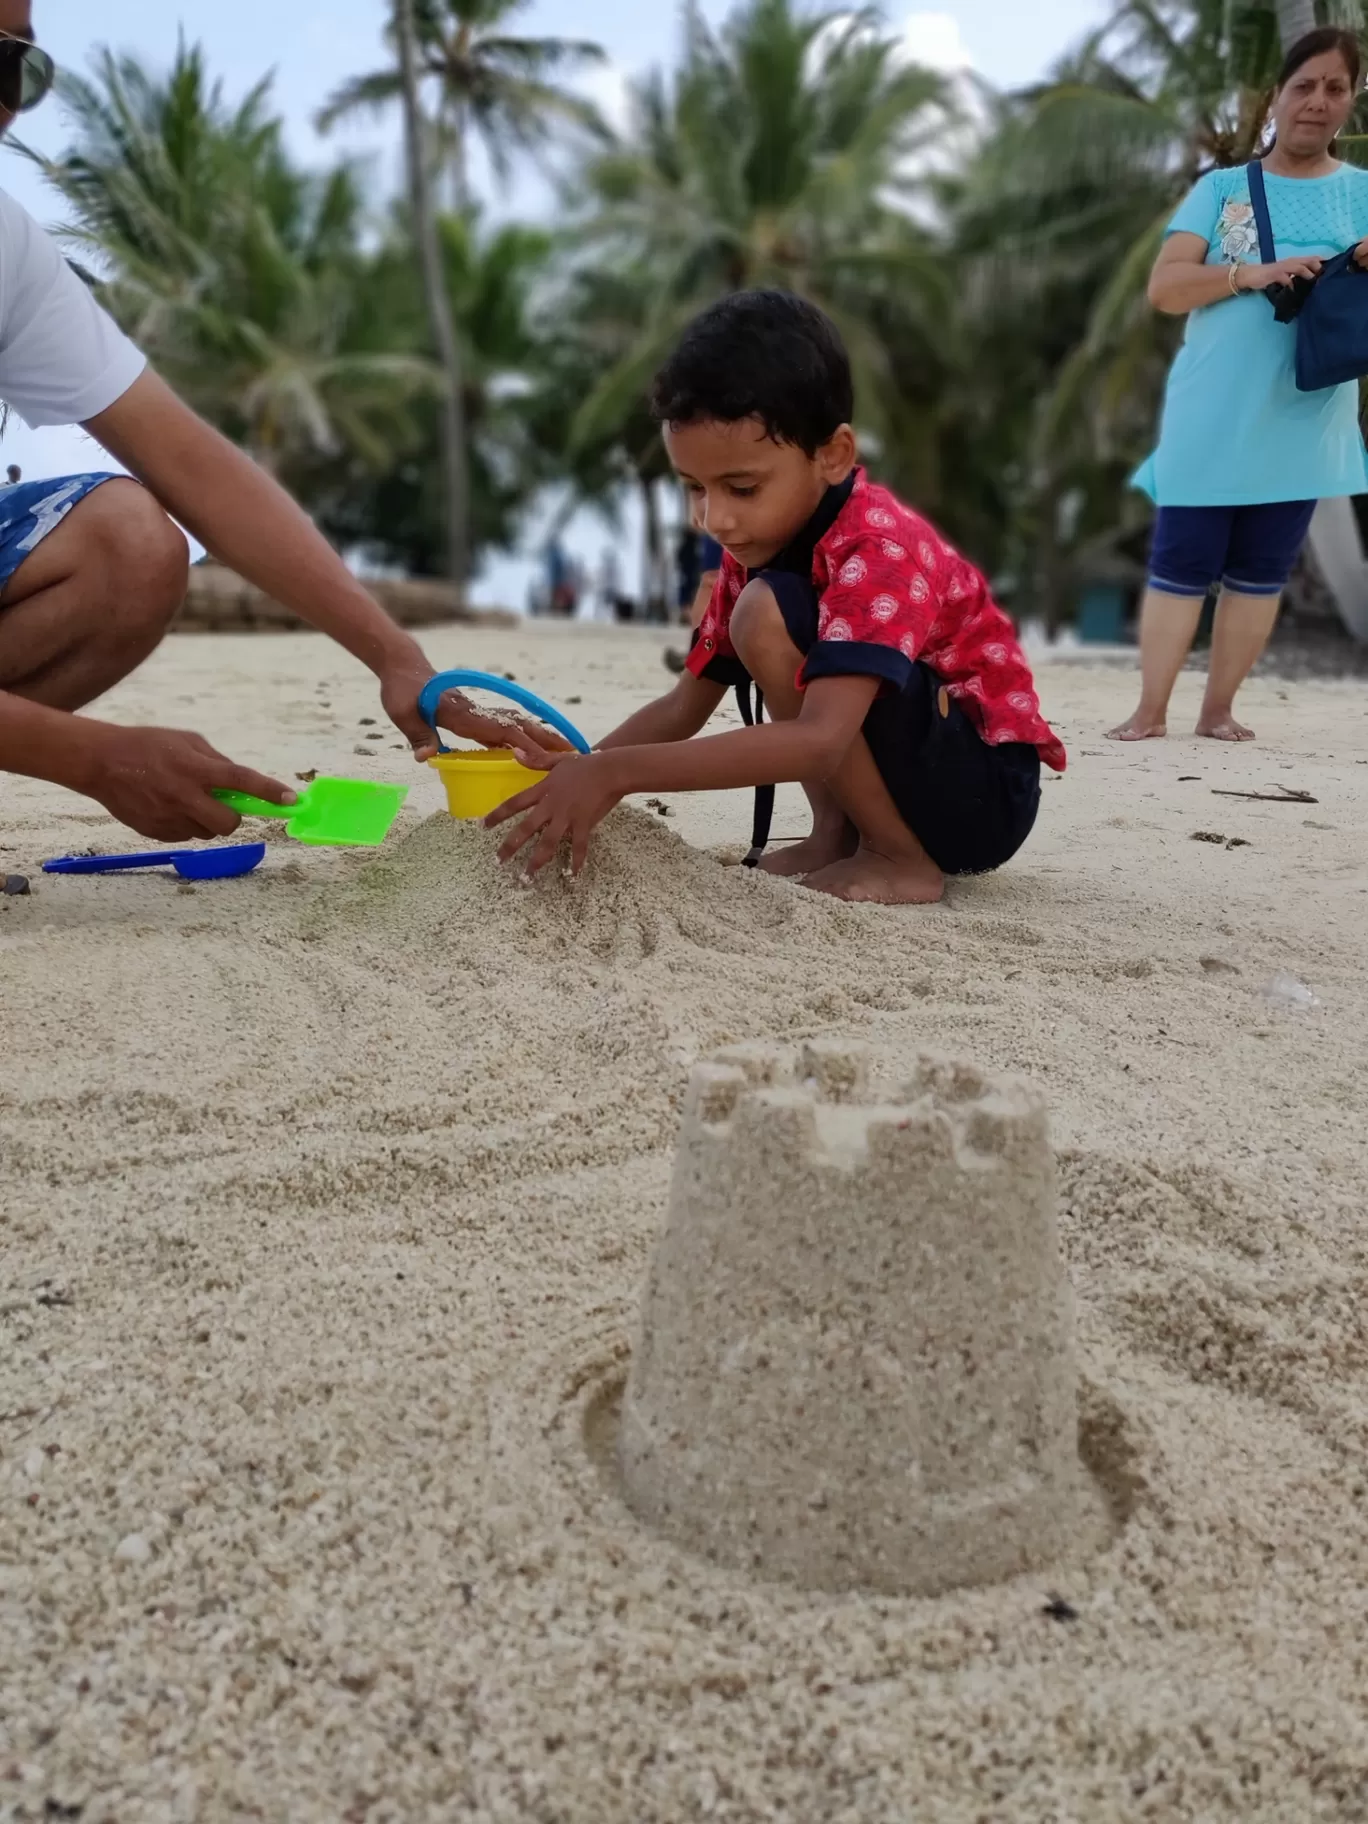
(901, 699)
(698, 573)
(92, 568)
(562, 580)
(609, 583)
(1243, 456)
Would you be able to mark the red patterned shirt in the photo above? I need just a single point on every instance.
(891, 592)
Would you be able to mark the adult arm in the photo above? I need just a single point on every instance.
(1182, 281)
(249, 522)
(158, 781)
(579, 791)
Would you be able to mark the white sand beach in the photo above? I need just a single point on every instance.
(327, 1199)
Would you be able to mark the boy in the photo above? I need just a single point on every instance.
(901, 699)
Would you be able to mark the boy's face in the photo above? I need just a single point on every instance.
(748, 492)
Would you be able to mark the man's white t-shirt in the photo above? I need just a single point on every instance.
(63, 360)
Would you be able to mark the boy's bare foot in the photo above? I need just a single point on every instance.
(1139, 728)
(1220, 725)
(820, 850)
(881, 881)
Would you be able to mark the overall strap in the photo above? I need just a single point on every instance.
(764, 794)
(1258, 196)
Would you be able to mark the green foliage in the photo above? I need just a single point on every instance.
(509, 91)
(235, 271)
(394, 514)
(783, 151)
(259, 292)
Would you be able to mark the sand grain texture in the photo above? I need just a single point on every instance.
(328, 1197)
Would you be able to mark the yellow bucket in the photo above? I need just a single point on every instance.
(480, 781)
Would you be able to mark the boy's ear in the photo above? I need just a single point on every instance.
(838, 456)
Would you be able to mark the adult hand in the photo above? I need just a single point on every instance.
(400, 689)
(159, 781)
(1361, 253)
(1280, 272)
(578, 792)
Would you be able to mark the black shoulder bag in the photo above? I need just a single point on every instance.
(1330, 311)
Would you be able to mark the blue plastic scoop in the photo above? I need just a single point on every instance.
(190, 864)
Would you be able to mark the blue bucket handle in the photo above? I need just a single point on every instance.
(435, 689)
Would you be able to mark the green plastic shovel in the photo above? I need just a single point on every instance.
(330, 812)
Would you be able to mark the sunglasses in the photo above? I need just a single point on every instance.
(26, 75)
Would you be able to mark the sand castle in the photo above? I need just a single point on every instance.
(854, 1368)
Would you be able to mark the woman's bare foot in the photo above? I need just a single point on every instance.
(1220, 725)
(831, 843)
(1139, 727)
(880, 880)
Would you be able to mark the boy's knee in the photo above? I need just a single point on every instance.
(756, 619)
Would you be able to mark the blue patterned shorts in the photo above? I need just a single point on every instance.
(29, 510)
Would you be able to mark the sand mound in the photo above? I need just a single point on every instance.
(441, 891)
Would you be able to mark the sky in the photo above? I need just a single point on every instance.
(313, 45)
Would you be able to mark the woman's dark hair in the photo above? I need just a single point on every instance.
(760, 354)
(1321, 43)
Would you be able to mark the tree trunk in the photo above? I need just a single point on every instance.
(655, 598)
(460, 172)
(1295, 19)
(454, 454)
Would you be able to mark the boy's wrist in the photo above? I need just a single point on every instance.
(615, 773)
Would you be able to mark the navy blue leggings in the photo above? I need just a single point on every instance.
(1249, 549)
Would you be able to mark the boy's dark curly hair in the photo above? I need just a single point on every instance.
(760, 354)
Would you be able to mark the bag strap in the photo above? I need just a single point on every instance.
(1258, 196)
(764, 794)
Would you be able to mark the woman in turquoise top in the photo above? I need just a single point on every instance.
(1243, 457)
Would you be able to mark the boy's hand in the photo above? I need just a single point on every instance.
(158, 781)
(400, 689)
(577, 793)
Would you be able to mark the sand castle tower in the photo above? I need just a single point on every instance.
(855, 1360)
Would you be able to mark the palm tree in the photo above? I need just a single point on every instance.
(1295, 19)
(507, 91)
(232, 268)
(500, 86)
(455, 459)
(398, 514)
(785, 151)
(588, 327)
